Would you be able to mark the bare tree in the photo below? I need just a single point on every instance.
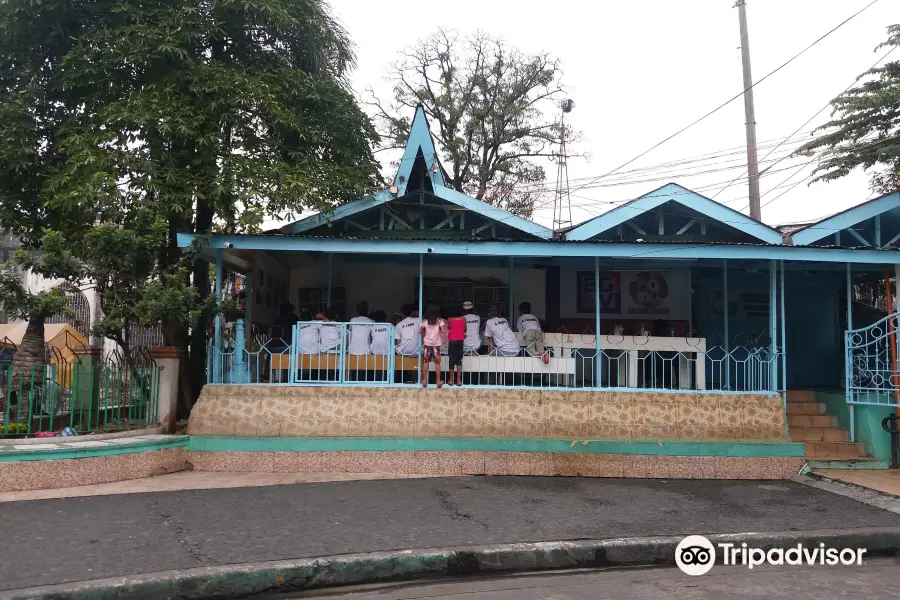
(493, 109)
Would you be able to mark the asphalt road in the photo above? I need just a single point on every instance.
(879, 578)
(74, 539)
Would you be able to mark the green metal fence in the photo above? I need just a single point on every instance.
(100, 397)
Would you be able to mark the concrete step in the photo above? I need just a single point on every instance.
(801, 396)
(806, 408)
(819, 434)
(812, 421)
(834, 450)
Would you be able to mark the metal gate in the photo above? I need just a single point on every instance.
(871, 358)
(80, 318)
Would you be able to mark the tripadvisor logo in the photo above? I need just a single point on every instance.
(696, 555)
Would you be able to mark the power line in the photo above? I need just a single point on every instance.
(735, 97)
(807, 122)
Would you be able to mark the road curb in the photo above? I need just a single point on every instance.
(238, 581)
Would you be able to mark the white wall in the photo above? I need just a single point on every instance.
(388, 286)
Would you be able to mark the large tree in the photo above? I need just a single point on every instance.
(186, 116)
(493, 110)
(865, 128)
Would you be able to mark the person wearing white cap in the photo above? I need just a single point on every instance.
(472, 342)
(499, 335)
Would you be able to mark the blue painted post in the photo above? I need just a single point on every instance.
(773, 330)
(598, 364)
(421, 288)
(512, 274)
(240, 370)
(727, 383)
(328, 289)
(217, 336)
(878, 232)
(847, 357)
(784, 354)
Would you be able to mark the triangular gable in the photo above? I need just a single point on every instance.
(874, 223)
(420, 143)
(673, 192)
(419, 140)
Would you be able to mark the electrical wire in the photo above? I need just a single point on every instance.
(807, 122)
(735, 97)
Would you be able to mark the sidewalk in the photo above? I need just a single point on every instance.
(75, 539)
(880, 480)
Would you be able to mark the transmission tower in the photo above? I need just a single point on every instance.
(562, 203)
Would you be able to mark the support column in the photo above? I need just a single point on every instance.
(511, 315)
(727, 385)
(167, 360)
(773, 329)
(217, 374)
(421, 288)
(847, 357)
(240, 369)
(328, 289)
(598, 364)
(784, 355)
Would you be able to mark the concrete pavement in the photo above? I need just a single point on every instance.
(75, 539)
(877, 578)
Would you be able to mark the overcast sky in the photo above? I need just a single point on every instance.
(639, 71)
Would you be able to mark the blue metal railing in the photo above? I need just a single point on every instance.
(871, 355)
(352, 353)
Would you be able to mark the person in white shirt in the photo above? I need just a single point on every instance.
(308, 338)
(360, 335)
(381, 340)
(498, 334)
(473, 341)
(407, 333)
(530, 328)
(330, 333)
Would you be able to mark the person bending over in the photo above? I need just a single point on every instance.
(530, 328)
(498, 334)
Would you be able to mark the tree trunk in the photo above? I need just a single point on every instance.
(28, 367)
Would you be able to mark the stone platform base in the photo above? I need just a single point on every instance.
(46, 474)
(262, 411)
(502, 463)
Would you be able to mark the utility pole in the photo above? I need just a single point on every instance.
(752, 163)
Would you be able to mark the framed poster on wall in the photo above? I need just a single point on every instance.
(610, 292)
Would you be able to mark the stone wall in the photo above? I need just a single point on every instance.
(312, 411)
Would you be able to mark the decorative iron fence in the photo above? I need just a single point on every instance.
(364, 354)
(86, 397)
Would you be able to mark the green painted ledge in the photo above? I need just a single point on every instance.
(9, 456)
(336, 444)
(713, 449)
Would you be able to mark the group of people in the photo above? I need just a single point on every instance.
(461, 334)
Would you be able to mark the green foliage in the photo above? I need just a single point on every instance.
(126, 122)
(54, 262)
(493, 107)
(865, 128)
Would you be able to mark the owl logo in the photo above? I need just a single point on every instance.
(648, 290)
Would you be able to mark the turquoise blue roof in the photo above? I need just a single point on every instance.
(702, 210)
(420, 146)
(875, 224)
